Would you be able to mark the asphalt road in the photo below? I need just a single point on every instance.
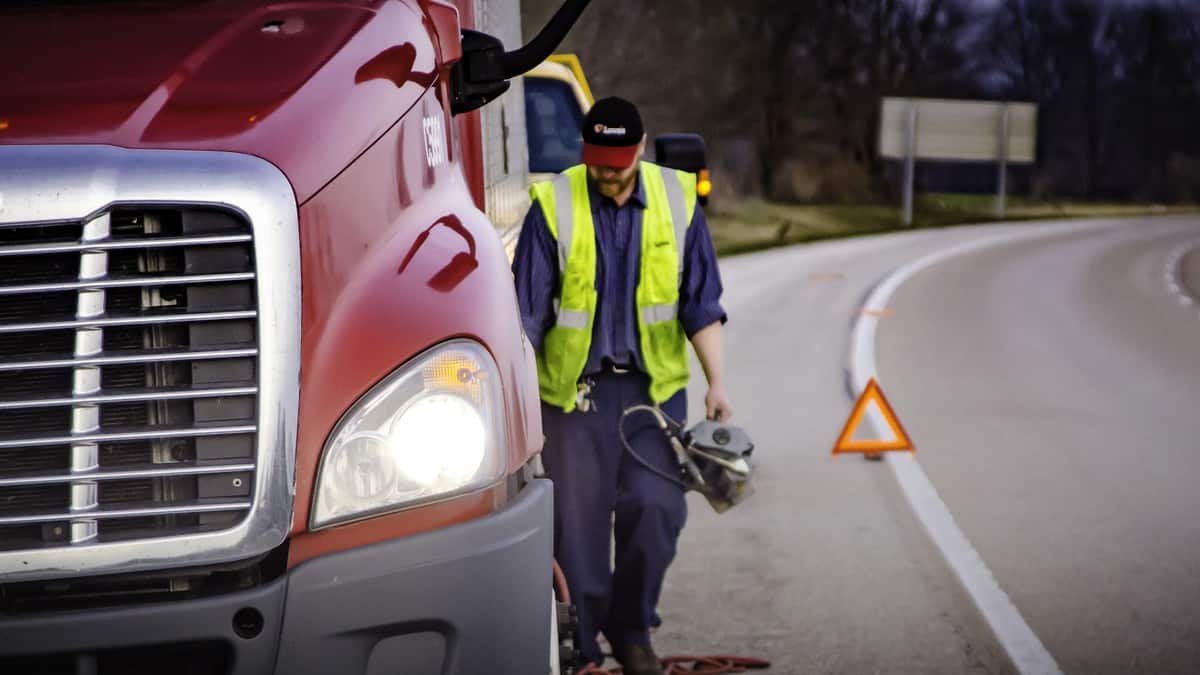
(1051, 387)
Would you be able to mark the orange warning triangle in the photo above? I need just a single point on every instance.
(900, 440)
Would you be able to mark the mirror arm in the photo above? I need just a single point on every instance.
(521, 61)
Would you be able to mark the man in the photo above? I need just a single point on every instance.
(615, 271)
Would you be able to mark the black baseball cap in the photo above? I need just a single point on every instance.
(612, 130)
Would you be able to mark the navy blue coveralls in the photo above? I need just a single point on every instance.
(593, 477)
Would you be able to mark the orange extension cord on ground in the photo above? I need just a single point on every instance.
(691, 665)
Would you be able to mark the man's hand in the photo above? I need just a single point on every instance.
(716, 404)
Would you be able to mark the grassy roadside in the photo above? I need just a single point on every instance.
(757, 225)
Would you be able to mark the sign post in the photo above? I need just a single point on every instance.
(910, 163)
(1002, 151)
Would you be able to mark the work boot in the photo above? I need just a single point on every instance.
(638, 659)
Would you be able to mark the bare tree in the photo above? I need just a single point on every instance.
(867, 49)
(787, 92)
(1019, 48)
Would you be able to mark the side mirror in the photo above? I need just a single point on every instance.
(485, 68)
(685, 152)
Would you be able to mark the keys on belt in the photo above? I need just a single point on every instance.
(583, 393)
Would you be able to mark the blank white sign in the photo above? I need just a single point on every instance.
(959, 130)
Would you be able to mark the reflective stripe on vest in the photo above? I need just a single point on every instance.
(670, 204)
(562, 213)
(657, 313)
(572, 319)
(679, 210)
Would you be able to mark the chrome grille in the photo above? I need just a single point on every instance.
(182, 362)
(128, 376)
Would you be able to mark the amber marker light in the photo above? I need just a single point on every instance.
(703, 183)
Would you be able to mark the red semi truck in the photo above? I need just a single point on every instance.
(265, 400)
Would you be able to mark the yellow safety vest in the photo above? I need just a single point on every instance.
(670, 204)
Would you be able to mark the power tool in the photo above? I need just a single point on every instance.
(713, 457)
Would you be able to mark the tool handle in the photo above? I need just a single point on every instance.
(685, 461)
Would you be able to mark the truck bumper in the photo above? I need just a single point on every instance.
(472, 598)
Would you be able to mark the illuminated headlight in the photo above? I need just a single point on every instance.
(430, 430)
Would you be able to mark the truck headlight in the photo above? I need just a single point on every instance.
(430, 430)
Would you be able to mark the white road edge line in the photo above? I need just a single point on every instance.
(1174, 272)
(1022, 647)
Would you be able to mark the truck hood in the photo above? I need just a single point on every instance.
(307, 86)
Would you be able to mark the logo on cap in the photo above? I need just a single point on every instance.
(609, 131)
